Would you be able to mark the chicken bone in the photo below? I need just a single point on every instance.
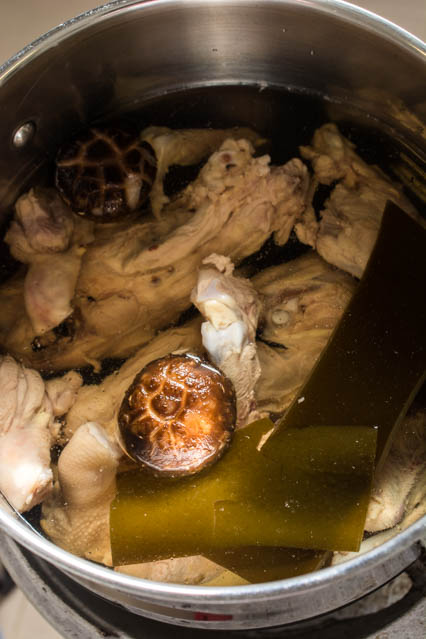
(231, 307)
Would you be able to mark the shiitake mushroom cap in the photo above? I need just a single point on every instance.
(105, 173)
(178, 416)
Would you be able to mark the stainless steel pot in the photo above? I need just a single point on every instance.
(125, 53)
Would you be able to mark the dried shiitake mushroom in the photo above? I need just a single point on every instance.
(105, 174)
(178, 416)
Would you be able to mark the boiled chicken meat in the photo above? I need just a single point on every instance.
(235, 204)
(403, 472)
(302, 301)
(42, 224)
(47, 236)
(49, 289)
(399, 490)
(350, 219)
(231, 307)
(185, 147)
(19, 338)
(62, 392)
(238, 201)
(194, 570)
(28, 408)
(119, 285)
(76, 516)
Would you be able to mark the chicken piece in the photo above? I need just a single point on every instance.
(307, 227)
(26, 424)
(42, 224)
(62, 392)
(401, 471)
(101, 403)
(18, 336)
(399, 490)
(415, 508)
(100, 315)
(284, 371)
(302, 302)
(185, 147)
(195, 570)
(45, 235)
(76, 516)
(49, 288)
(351, 218)
(27, 428)
(231, 307)
(238, 202)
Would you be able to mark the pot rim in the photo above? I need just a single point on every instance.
(339, 8)
(84, 569)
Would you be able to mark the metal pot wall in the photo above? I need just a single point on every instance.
(126, 53)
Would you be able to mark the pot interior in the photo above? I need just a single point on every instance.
(295, 67)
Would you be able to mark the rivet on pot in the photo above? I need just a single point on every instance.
(23, 134)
